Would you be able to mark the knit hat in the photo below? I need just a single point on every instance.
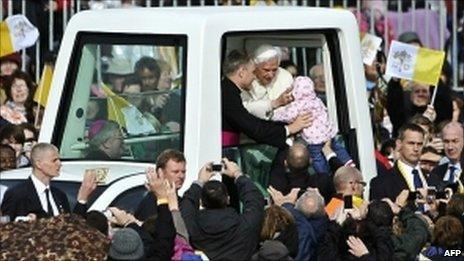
(272, 250)
(14, 57)
(126, 244)
(409, 37)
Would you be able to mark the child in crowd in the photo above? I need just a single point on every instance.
(8, 158)
(320, 131)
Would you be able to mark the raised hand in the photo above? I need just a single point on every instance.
(205, 173)
(155, 182)
(231, 168)
(357, 247)
(285, 98)
(88, 185)
(171, 193)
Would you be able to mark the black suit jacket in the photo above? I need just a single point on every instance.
(147, 207)
(235, 118)
(438, 173)
(388, 185)
(22, 199)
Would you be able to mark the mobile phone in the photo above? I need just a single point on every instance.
(348, 202)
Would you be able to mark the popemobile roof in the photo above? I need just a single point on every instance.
(187, 20)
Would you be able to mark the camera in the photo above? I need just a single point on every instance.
(348, 202)
(218, 166)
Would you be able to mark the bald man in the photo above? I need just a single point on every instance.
(316, 73)
(450, 174)
(36, 196)
(294, 173)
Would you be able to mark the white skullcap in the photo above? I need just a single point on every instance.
(266, 53)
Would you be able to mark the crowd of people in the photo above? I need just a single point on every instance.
(414, 209)
(315, 207)
(309, 220)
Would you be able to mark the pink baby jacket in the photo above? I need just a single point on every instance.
(305, 100)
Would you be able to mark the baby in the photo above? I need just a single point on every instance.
(320, 131)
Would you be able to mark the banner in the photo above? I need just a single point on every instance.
(16, 33)
(414, 63)
(370, 45)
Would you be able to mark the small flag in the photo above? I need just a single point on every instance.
(16, 33)
(41, 94)
(115, 105)
(370, 44)
(126, 114)
(415, 63)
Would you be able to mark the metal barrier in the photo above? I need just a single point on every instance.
(65, 9)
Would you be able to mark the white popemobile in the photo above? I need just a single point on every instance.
(186, 115)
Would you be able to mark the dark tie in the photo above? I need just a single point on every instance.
(49, 205)
(417, 179)
(452, 169)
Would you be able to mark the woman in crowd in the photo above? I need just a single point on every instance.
(447, 235)
(278, 224)
(354, 236)
(20, 90)
(8, 64)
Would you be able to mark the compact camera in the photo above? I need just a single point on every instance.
(218, 166)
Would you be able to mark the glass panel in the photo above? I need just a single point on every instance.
(127, 101)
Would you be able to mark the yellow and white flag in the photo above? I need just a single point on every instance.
(115, 105)
(126, 114)
(414, 63)
(16, 33)
(41, 94)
